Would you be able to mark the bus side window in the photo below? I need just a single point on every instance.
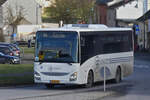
(82, 41)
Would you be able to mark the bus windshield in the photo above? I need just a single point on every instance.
(56, 46)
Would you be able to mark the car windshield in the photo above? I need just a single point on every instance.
(9, 45)
(15, 47)
(56, 46)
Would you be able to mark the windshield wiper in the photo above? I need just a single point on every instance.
(40, 63)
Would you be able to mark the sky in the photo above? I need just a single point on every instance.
(129, 11)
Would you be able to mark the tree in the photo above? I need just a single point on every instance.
(1, 31)
(69, 11)
(2, 1)
(14, 17)
(85, 10)
(1, 36)
(61, 10)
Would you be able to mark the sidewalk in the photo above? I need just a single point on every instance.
(27, 59)
(93, 93)
(142, 56)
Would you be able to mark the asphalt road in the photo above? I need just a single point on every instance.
(27, 58)
(134, 87)
(139, 83)
(39, 92)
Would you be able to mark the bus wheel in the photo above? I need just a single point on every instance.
(49, 86)
(89, 80)
(118, 75)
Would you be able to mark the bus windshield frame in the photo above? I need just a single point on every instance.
(56, 46)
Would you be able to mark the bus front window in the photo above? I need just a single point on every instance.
(55, 46)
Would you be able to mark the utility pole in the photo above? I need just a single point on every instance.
(37, 13)
(145, 6)
(144, 33)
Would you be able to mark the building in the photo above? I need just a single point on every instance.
(132, 10)
(106, 11)
(30, 10)
(146, 5)
(143, 38)
(144, 35)
(27, 32)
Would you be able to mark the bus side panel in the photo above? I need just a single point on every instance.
(86, 67)
(110, 49)
(124, 61)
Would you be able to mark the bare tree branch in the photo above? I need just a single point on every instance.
(14, 16)
(2, 1)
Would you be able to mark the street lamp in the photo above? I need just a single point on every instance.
(37, 13)
(144, 33)
(38, 7)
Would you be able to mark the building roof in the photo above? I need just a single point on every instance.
(85, 27)
(103, 1)
(127, 20)
(146, 16)
(118, 3)
(113, 3)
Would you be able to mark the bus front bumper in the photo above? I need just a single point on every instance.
(69, 79)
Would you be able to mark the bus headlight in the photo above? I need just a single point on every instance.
(73, 77)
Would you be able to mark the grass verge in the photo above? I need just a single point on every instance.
(15, 68)
(18, 74)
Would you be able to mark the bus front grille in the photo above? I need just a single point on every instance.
(54, 73)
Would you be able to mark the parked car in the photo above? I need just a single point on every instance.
(21, 43)
(14, 47)
(24, 43)
(6, 56)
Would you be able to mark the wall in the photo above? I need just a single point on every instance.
(149, 20)
(106, 15)
(148, 4)
(32, 11)
(26, 32)
(102, 14)
(130, 11)
(111, 17)
(141, 35)
(1, 15)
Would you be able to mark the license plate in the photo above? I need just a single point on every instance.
(54, 81)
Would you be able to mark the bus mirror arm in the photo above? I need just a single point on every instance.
(40, 63)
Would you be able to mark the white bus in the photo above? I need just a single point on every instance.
(77, 54)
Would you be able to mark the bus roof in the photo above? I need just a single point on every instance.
(86, 27)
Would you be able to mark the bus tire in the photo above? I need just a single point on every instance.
(118, 75)
(90, 80)
(49, 86)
